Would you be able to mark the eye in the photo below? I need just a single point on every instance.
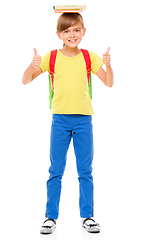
(66, 31)
(77, 30)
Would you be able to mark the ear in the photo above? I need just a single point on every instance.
(59, 35)
(84, 31)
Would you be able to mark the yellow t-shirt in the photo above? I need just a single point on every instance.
(71, 93)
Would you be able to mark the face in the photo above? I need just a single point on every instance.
(72, 36)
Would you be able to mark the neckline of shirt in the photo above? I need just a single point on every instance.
(69, 57)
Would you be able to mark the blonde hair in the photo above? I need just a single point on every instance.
(67, 20)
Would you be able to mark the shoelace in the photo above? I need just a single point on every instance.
(49, 219)
(90, 225)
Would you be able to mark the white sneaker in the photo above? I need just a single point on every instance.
(48, 226)
(90, 225)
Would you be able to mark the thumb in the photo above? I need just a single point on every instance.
(35, 51)
(108, 50)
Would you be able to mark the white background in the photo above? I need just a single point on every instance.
(25, 121)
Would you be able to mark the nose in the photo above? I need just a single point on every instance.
(72, 34)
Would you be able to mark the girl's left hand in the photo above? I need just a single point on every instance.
(107, 57)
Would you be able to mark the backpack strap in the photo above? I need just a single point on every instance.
(52, 66)
(51, 76)
(87, 58)
(88, 62)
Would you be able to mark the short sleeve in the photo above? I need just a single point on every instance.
(45, 62)
(96, 62)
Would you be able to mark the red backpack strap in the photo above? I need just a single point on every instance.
(88, 62)
(52, 66)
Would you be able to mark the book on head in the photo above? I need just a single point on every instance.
(69, 8)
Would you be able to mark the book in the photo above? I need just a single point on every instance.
(69, 8)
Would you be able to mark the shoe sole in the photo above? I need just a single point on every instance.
(45, 231)
(91, 231)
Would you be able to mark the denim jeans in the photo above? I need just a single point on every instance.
(64, 128)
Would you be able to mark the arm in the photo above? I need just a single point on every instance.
(106, 77)
(33, 70)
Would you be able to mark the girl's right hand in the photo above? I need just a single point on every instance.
(36, 59)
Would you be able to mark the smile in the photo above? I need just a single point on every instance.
(72, 40)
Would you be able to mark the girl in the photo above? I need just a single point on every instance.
(72, 116)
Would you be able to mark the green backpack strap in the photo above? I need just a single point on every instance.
(87, 58)
(51, 75)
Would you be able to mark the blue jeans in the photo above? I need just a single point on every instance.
(64, 128)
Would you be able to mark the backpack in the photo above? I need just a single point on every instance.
(51, 73)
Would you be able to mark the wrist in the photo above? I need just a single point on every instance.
(32, 65)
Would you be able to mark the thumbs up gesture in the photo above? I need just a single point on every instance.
(36, 59)
(107, 57)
